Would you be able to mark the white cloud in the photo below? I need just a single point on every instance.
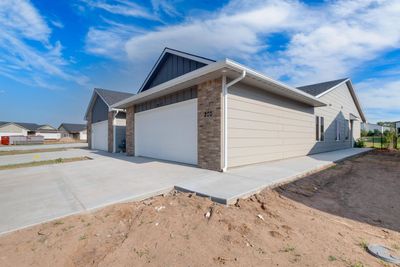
(325, 41)
(122, 7)
(24, 61)
(164, 6)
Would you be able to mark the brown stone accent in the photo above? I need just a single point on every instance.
(130, 131)
(89, 130)
(110, 131)
(210, 125)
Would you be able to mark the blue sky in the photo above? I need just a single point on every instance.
(53, 53)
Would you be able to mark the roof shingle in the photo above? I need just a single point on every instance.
(73, 127)
(318, 88)
(112, 97)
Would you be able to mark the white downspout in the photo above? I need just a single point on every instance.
(225, 87)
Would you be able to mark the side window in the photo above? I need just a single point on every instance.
(319, 128)
(337, 124)
(322, 133)
(347, 129)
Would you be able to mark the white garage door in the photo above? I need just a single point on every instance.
(168, 132)
(100, 135)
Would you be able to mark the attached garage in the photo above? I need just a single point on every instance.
(168, 132)
(100, 135)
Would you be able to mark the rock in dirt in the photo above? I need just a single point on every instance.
(261, 217)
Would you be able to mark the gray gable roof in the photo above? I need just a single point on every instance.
(318, 88)
(27, 125)
(112, 97)
(73, 127)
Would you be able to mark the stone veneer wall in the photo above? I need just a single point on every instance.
(110, 131)
(130, 131)
(210, 126)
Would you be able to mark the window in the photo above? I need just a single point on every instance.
(347, 130)
(322, 133)
(319, 128)
(337, 124)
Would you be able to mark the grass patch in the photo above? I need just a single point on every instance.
(332, 258)
(44, 162)
(18, 152)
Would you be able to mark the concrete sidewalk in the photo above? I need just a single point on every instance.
(245, 181)
(41, 156)
(49, 146)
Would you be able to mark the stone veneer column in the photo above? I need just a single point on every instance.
(110, 131)
(89, 130)
(130, 131)
(209, 123)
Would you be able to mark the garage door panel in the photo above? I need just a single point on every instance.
(100, 135)
(168, 132)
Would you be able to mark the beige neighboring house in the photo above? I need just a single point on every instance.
(221, 114)
(397, 126)
(48, 132)
(29, 129)
(73, 131)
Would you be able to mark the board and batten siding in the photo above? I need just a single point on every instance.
(264, 127)
(340, 105)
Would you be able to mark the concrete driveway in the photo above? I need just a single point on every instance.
(34, 195)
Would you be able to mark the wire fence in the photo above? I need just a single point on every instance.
(381, 142)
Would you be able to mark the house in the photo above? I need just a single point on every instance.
(48, 132)
(73, 131)
(221, 114)
(28, 129)
(374, 127)
(106, 126)
(397, 126)
(17, 128)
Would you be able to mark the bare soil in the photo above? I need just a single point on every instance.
(325, 219)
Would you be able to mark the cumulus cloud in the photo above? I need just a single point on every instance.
(20, 24)
(326, 41)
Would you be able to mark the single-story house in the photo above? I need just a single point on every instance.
(17, 128)
(48, 132)
(73, 131)
(106, 125)
(221, 114)
(374, 127)
(28, 129)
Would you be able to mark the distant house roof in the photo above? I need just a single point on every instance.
(73, 127)
(28, 126)
(109, 97)
(319, 88)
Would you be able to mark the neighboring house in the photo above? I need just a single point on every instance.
(219, 115)
(25, 129)
(48, 132)
(372, 127)
(106, 126)
(73, 131)
(397, 126)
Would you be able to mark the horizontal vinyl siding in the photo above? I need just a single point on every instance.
(339, 106)
(264, 127)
